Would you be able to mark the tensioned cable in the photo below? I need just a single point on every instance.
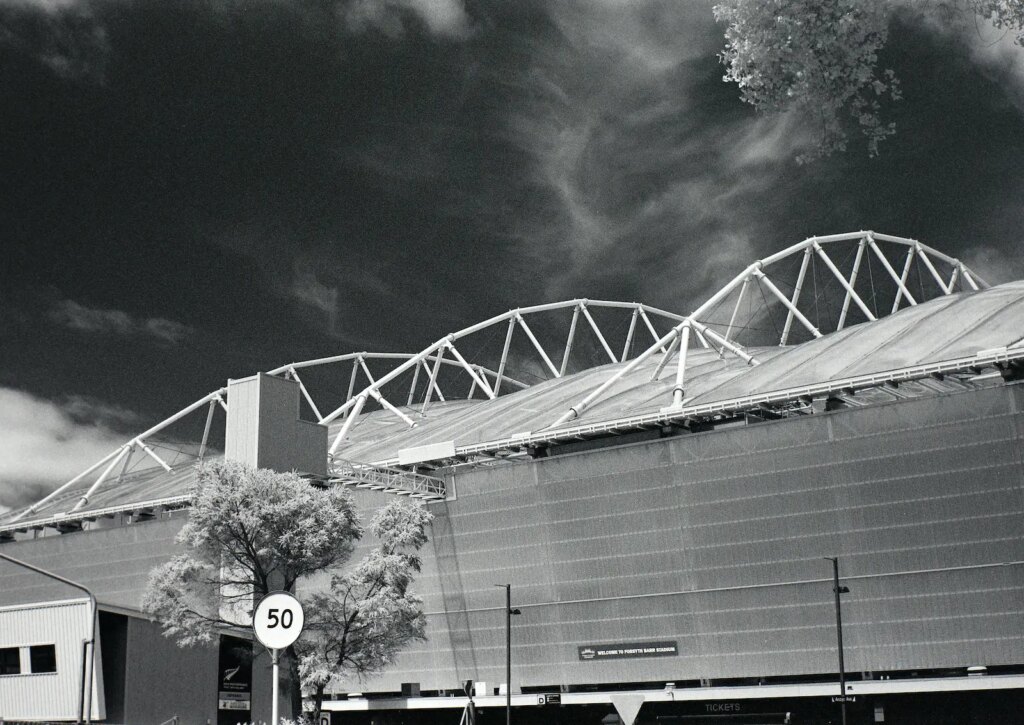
(768, 309)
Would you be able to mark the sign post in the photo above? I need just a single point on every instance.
(277, 623)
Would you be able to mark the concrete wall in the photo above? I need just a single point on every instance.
(164, 680)
(711, 540)
(114, 563)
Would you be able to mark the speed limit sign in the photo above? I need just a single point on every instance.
(278, 620)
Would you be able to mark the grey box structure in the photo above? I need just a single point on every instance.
(264, 428)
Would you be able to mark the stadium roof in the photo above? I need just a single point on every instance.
(854, 318)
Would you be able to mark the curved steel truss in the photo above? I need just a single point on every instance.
(812, 288)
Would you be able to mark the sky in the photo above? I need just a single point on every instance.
(198, 190)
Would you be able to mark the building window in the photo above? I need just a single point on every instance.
(43, 658)
(10, 661)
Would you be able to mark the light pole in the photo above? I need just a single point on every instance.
(837, 590)
(509, 611)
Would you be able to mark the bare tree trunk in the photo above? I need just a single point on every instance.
(318, 702)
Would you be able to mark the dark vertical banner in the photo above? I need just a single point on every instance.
(234, 686)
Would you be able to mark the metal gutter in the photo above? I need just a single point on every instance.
(690, 694)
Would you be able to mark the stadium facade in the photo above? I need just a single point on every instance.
(662, 515)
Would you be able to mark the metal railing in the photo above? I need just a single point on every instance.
(386, 479)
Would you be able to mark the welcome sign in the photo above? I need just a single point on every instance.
(627, 650)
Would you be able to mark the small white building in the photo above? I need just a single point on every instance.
(46, 663)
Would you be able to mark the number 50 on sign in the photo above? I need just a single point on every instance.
(278, 620)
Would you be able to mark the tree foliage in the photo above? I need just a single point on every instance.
(368, 614)
(251, 531)
(819, 58)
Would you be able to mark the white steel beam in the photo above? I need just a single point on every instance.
(152, 454)
(357, 408)
(629, 334)
(574, 411)
(504, 354)
(128, 459)
(341, 410)
(684, 345)
(569, 340)
(901, 281)
(968, 276)
(137, 441)
(953, 277)
(762, 277)
(597, 331)
(739, 299)
(533, 339)
(412, 388)
(804, 263)
(375, 394)
(931, 268)
(666, 358)
(729, 345)
(842, 280)
(433, 380)
(472, 373)
(305, 393)
(103, 477)
(206, 429)
(352, 379)
(853, 282)
(650, 327)
(436, 388)
(366, 370)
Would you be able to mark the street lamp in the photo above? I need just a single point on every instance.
(837, 590)
(509, 611)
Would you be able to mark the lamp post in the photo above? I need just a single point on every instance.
(837, 590)
(509, 611)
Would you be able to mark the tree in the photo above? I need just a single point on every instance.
(249, 532)
(819, 58)
(368, 614)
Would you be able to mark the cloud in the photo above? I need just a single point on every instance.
(307, 288)
(63, 35)
(76, 316)
(46, 443)
(337, 294)
(653, 171)
(444, 18)
(86, 409)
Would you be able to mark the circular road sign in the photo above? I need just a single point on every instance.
(277, 620)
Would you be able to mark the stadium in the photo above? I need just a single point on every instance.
(660, 491)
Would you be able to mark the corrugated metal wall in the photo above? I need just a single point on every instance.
(52, 695)
(716, 541)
